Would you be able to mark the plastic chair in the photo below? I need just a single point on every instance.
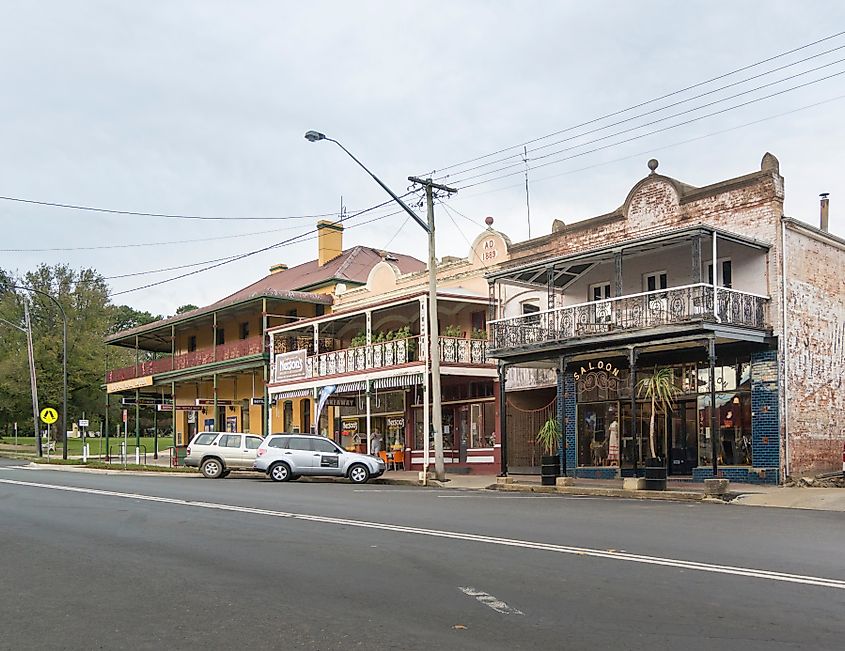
(383, 455)
(398, 459)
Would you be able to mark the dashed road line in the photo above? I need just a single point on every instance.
(490, 601)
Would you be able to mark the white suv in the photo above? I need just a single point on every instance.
(216, 454)
(289, 456)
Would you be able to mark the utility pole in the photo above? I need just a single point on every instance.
(32, 382)
(433, 327)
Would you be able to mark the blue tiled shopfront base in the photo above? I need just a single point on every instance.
(740, 474)
(596, 473)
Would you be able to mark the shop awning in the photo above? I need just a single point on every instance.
(358, 385)
(296, 393)
(396, 382)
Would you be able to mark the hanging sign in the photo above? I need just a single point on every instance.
(350, 425)
(209, 402)
(601, 365)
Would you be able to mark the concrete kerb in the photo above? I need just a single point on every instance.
(584, 491)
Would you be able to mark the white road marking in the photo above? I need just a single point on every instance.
(490, 601)
(784, 577)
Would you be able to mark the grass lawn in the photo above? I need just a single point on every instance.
(96, 446)
(101, 465)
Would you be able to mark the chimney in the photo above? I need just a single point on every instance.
(329, 241)
(823, 220)
(276, 268)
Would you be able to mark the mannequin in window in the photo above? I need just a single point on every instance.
(613, 443)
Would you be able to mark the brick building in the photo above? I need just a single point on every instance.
(745, 307)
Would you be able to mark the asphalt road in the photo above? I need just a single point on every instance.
(91, 561)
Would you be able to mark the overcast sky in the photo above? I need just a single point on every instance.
(199, 108)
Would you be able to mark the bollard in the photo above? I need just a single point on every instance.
(85, 453)
(137, 456)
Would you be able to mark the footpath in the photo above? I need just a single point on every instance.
(794, 497)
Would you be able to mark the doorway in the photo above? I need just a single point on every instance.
(682, 430)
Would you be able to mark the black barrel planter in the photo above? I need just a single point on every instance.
(655, 474)
(549, 470)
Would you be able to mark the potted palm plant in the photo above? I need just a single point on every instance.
(549, 440)
(661, 390)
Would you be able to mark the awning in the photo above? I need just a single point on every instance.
(358, 385)
(296, 393)
(399, 381)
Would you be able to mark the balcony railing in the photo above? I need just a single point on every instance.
(664, 307)
(386, 354)
(201, 357)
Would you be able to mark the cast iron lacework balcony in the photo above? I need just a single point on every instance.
(385, 354)
(665, 307)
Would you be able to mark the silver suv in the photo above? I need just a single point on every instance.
(216, 454)
(289, 456)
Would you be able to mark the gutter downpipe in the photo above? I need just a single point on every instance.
(782, 345)
(715, 282)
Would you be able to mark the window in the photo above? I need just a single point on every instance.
(319, 445)
(725, 273)
(230, 441)
(655, 281)
(279, 442)
(220, 337)
(253, 442)
(319, 310)
(531, 309)
(192, 343)
(244, 329)
(599, 292)
(300, 443)
(205, 439)
(479, 320)
(287, 415)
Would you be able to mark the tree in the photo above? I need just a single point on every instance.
(188, 307)
(661, 390)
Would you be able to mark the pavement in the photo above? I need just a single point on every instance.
(795, 497)
(92, 560)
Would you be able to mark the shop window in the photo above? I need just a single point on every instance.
(598, 434)
(244, 329)
(192, 343)
(733, 429)
(220, 337)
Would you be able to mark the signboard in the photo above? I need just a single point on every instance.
(145, 401)
(49, 415)
(125, 415)
(350, 425)
(178, 408)
(290, 366)
(335, 401)
(209, 402)
(83, 422)
(396, 422)
(134, 383)
(258, 401)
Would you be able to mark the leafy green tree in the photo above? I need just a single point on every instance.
(188, 307)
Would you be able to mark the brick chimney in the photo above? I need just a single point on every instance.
(276, 268)
(329, 241)
(823, 217)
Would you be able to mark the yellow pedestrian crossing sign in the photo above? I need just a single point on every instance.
(49, 415)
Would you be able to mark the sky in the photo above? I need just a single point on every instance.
(199, 109)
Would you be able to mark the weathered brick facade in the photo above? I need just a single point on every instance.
(815, 351)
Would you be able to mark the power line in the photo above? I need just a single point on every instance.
(302, 237)
(647, 102)
(145, 244)
(460, 230)
(655, 149)
(650, 133)
(668, 106)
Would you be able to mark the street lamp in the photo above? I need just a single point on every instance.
(434, 343)
(64, 359)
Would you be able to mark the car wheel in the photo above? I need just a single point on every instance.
(359, 474)
(212, 468)
(280, 472)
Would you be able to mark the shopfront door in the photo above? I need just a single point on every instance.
(682, 431)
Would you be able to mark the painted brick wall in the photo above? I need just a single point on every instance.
(815, 364)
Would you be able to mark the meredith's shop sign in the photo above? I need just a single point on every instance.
(291, 366)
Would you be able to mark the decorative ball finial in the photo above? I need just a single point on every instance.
(652, 165)
(488, 220)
